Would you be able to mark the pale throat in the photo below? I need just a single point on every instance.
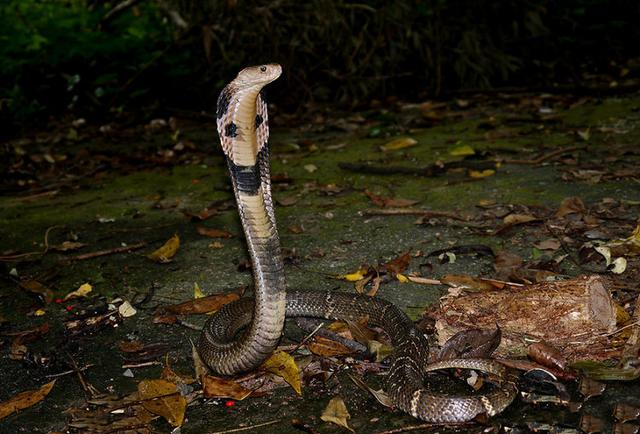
(246, 147)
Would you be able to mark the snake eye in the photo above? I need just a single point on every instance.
(263, 68)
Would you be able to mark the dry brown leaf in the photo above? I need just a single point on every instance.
(360, 330)
(517, 219)
(327, 347)
(213, 233)
(218, 387)
(549, 244)
(288, 200)
(571, 205)
(283, 365)
(336, 412)
(210, 303)
(24, 400)
(398, 264)
(161, 397)
(166, 251)
(130, 346)
(467, 282)
(37, 288)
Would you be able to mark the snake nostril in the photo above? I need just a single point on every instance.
(263, 68)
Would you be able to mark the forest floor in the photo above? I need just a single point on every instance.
(384, 189)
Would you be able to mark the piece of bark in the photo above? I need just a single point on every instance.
(574, 315)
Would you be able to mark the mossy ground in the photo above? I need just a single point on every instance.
(148, 205)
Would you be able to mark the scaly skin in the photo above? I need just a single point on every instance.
(244, 131)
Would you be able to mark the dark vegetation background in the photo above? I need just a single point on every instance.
(135, 58)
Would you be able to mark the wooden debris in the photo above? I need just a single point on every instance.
(576, 316)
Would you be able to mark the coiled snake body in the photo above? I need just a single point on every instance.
(244, 131)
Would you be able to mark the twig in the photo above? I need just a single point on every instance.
(412, 211)
(10, 258)
(545, 157)
(88, 388)
(141, 365)
(99, 253)
(117, 9)
(70, 371)
(246, 428)
(429, 171)
(410, 428)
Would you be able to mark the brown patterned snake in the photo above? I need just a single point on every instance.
(244, 131)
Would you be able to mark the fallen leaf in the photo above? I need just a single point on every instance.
(399, 263)
(355, 276)
(619, 265)
(549, 244)
(216, 245)
(382, 351)
(24, 400)
(197, 292)
(517, 219)
(283, 365)
(209, 303)
(399, 143)
(126, 309)
(166, 251)
(218, 387)
(462, 151)
(585, 135)
(477, 174)
(37, 288)
(547, 356)
(130, 346)
(380, 395)
(327, 347)
(288, 200)
(82, 291)
(336, 412)
(213, 233)
(310, 168)
(161, 397)
(571, 205)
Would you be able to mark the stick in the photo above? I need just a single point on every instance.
(246, 428)
(412, 211)
(546, 157)
(99, 253)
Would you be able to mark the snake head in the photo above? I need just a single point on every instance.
(260, 75)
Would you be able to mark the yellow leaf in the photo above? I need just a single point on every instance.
(355, 276)
(24, 400)
(39, 312)
(585, 135)
(402, 278)
(399, 143)
(635, 236)
(197, 292)
(336, 412)
(481, 173)
(462, 151)
(283, 365)
(166, 251)
(84, 289)
(161, 397)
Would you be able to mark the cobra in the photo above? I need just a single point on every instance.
(243, 127)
